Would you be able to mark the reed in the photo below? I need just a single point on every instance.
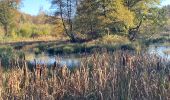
(121, 75)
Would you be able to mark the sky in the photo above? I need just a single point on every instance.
(32, 7)
(165, 2)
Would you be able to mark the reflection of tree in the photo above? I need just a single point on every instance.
(30, 56)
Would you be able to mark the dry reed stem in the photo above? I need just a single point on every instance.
(118, 75)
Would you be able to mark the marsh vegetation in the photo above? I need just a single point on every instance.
(118, 75)
(85, 50)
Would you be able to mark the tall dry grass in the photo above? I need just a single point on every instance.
(107, 76)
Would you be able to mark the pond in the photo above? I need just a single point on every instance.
(70, 60)
(75, 59)
(162, 51)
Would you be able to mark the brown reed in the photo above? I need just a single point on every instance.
(107, 76)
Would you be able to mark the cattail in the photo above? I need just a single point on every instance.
(38, 71)
(129, 61)
(44, 71)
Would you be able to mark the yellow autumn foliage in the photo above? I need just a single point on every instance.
(124, 14)
(112, 39)
(121, 13)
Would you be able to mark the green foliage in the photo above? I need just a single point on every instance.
(68, 49)
(121, 13)
(65, 10)
(84, 19)
(7, 14)
(87, 19)
(1, 33)
(37, 51)
(119, 16)
(31, 30)
(6, 54)
(41, 29)
(15, 24)
(25, 30)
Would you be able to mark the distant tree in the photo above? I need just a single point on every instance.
(167, 8)
(41, 17)
(7, 13)
(57, 24)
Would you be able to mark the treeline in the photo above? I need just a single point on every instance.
(96, 18)
(14, 23)
(85, 19)
(42, 24)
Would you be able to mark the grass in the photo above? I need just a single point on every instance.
(113, 39)
(162, 38)
(110, 42)
(59, 46)
(103, 76)
(26, 39)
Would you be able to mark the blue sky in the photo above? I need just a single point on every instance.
(165, 2)
(32, 6)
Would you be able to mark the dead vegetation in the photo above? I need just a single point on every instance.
(107, 76)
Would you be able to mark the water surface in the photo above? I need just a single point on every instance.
(159, 50)
(75, 59)
(70, 60)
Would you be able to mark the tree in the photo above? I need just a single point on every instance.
(65, 9)
(7, 13)
(94, 17)
(155, 23)
(118, 15)
(143, 14)
(167, 10)
(131, 14)
(87, 20)
(99, 15)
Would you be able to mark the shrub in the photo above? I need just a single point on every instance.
(113, 39)
(32, 30)
(8, 54)
(37, 51)
(40, 30)
(68, 49)
(1, 32)
(46, 29)
(25, 30)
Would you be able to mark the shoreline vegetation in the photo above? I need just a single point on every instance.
(119, 75)
(64, 46)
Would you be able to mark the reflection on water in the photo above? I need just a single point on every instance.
(74, 60)
(159, 50)
(71, 60)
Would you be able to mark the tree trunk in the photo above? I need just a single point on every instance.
(133, 32)
(68, 32)
(6, 30)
